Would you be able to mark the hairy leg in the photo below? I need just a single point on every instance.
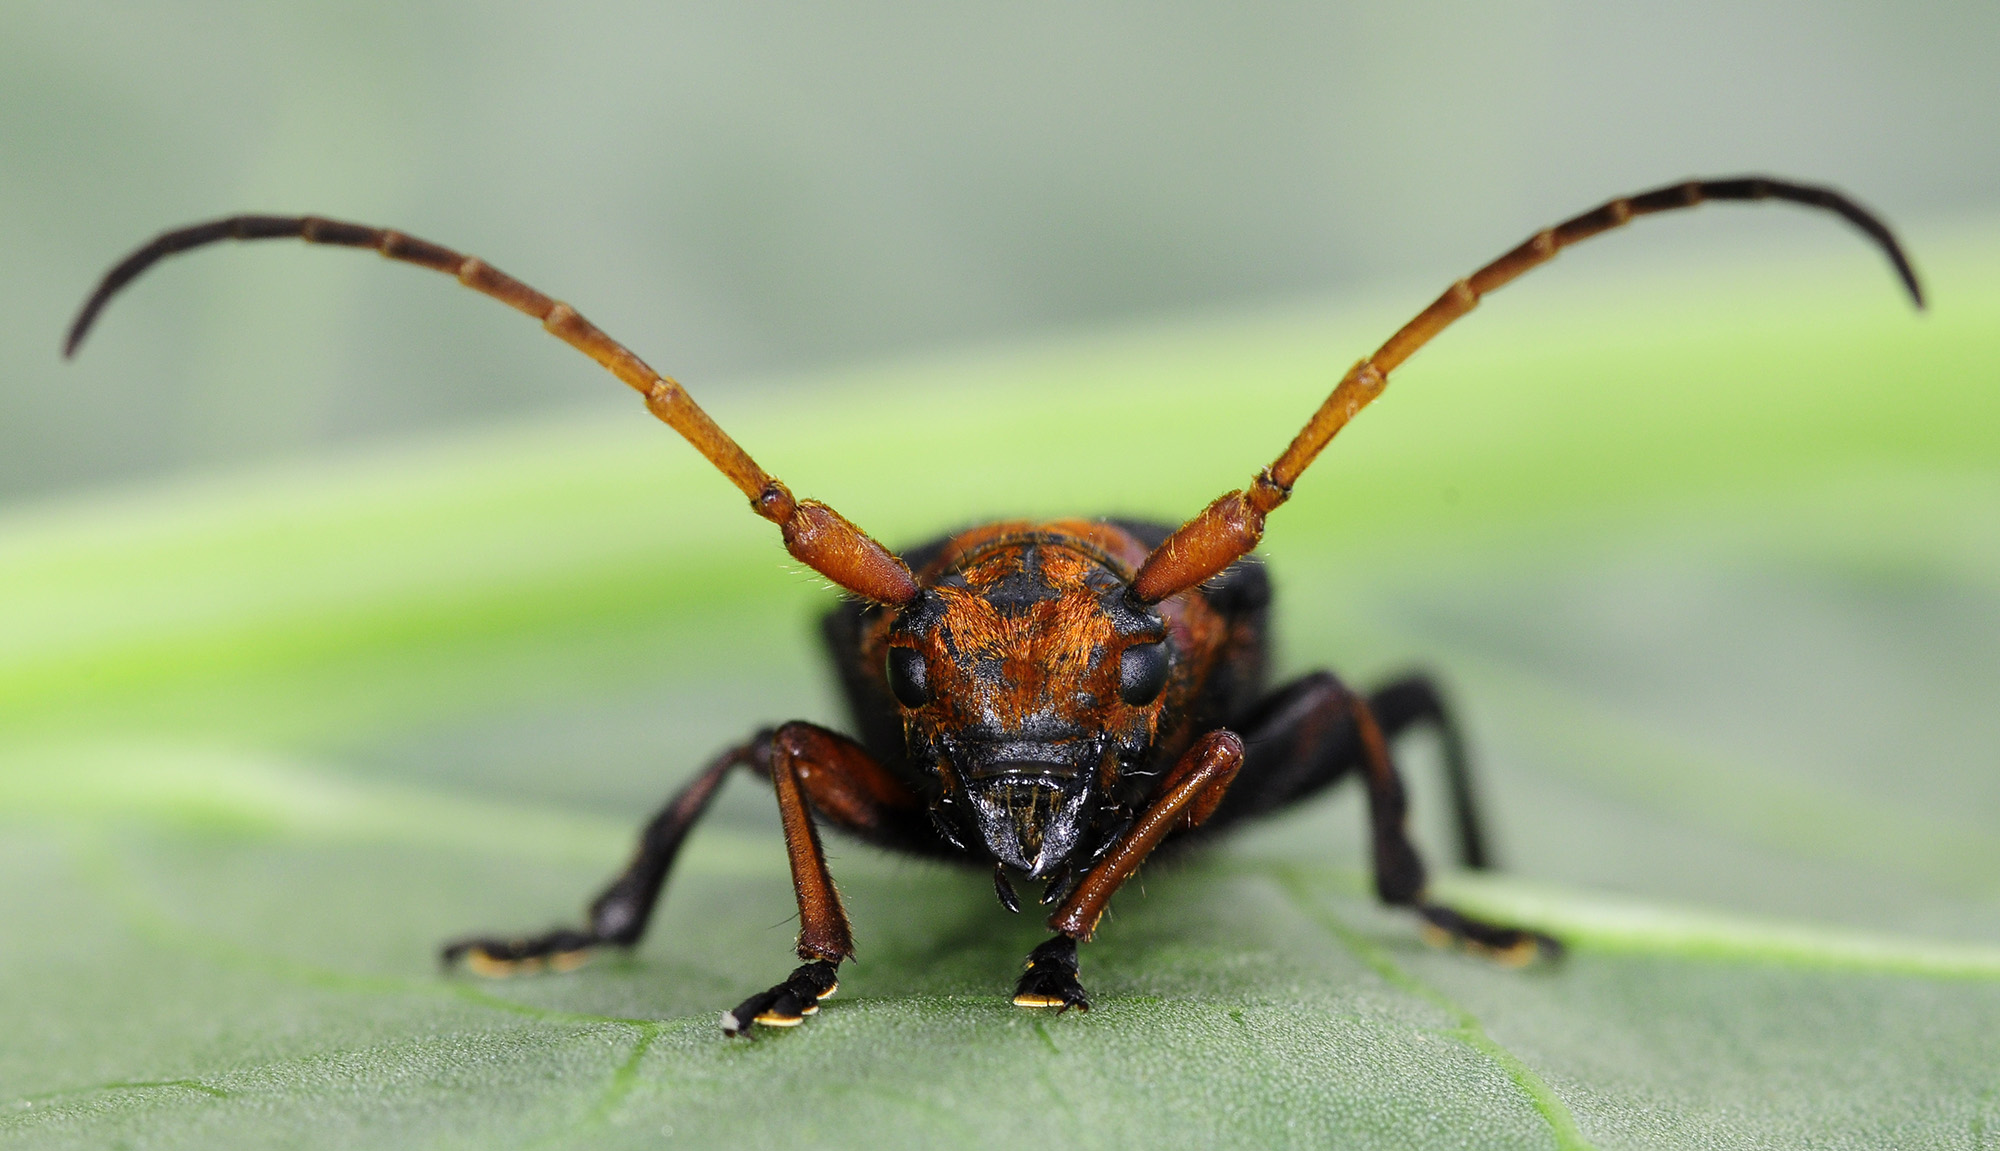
(814, 770)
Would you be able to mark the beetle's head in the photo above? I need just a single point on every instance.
(1028, 679)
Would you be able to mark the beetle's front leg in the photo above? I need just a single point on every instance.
(816, 770)
(1187, 796)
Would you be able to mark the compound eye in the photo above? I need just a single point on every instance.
(1142, 672)
(909, 677)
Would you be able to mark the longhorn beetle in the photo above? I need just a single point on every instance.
(1053, 700)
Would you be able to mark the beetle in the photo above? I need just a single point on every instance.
(1052, 700)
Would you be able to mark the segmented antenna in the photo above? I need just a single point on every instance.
(1228, 528)
(814, 533)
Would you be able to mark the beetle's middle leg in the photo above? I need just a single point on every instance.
(619, 914)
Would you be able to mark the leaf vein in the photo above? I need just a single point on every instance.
(1466, 1027)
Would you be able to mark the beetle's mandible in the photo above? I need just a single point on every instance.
(1051, 700)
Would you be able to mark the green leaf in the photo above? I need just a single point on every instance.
(1713, 571)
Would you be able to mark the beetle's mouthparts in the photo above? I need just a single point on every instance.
(1030, 822)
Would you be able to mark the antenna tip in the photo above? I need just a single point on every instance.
(1911, 285)
(80, 327)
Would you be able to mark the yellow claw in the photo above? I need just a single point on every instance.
(1518, 954)
(479, 962)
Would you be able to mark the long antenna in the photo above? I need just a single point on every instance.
(814, 533)
(1228, 528)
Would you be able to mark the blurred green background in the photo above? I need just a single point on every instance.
(341, 611)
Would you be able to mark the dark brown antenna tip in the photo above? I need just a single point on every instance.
(168, 244)
(1763, 187)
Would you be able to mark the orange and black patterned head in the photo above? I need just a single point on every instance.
(1032, 684)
